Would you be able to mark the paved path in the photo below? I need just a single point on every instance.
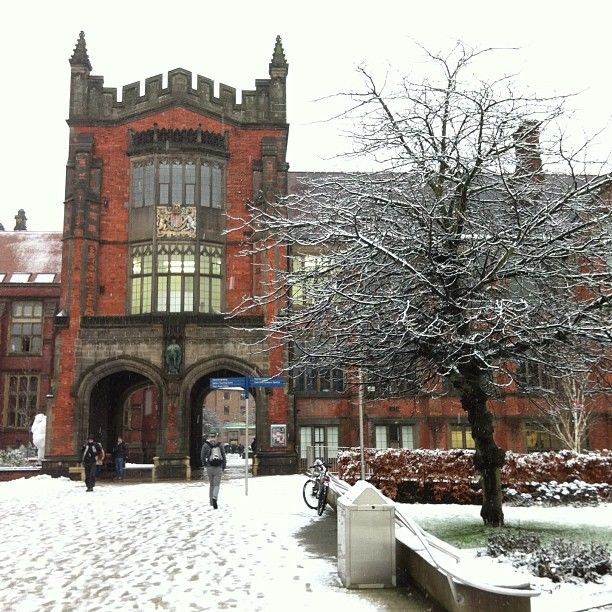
(143, 546)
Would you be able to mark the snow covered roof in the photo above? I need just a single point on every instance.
(30, 257)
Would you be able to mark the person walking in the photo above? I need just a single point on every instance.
(213, 459)
(90, 452)
(119, 456)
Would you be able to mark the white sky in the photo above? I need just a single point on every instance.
(143, 546)
(565, 47)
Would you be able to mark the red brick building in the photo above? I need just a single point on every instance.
(153, 181)
(147, 268)
(30, 266)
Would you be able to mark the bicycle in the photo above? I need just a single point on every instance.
(316, 487)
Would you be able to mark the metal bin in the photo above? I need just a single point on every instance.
(366, 538)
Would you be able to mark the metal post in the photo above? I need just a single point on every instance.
(360, 396)
(246, 443)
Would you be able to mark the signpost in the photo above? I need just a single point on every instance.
(243, 384)
(224, 383)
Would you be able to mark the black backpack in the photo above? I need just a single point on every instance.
(91, 452)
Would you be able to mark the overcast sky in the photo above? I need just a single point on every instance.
(565, 47)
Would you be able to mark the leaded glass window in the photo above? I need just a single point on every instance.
(173, 279)
(141, 276)
(26, 328)
(168, 181)
(175, 274)
(143, 185)
(210, 279)
(21, 400)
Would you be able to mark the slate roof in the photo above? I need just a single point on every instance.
(30, 252)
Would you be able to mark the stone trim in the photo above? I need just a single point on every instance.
(144, 320)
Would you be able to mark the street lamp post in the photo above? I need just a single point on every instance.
(360, 401)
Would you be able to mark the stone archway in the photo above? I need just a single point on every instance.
(102, 393)
(196, 386)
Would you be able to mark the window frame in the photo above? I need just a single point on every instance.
(158, 276)
(402, 427)
(149, 190)
(320, 436)
(26, 320)
(536, 429)
(465, 430)
(29, 410)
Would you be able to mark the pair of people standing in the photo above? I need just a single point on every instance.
(213, 459)
(92, 457)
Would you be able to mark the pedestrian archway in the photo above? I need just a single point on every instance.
(122, 398)
(224, 410)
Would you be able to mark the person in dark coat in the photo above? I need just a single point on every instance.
(214, 471)
(90, 453)
(119, 456)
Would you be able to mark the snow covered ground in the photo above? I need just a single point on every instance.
(145, 546)
(554, 597)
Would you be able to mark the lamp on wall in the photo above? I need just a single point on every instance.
(50, 394)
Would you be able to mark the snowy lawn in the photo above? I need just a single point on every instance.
(462, 526)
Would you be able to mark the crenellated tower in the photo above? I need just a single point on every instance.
(152, 258)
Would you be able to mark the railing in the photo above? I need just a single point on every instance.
(430, 543)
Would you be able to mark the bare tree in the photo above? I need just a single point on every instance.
(568, 410)
(460, 255)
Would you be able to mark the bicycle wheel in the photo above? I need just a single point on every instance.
(310, 493)
(322, 500)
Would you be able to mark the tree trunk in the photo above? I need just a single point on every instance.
(488, 459)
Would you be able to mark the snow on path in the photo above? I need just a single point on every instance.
(145, 547)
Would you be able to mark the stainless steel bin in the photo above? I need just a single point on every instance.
(366, 538)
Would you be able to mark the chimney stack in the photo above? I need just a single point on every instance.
(527, 150)
(20, 221)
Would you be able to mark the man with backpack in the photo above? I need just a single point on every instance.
(213, 459)
(91, 452)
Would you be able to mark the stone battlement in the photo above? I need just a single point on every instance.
(91, 102)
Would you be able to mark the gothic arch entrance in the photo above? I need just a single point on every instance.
(223, 410)
(120, 398)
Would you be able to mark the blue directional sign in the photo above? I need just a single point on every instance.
(224, 383)
(274, 381)
(245, 382)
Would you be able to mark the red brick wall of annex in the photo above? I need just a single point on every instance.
(37, 365)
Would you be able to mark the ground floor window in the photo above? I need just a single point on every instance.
(461, 436)
(21, 400)
(538, 439)
(321, 439)
(394, 436)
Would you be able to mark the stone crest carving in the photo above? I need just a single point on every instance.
(176, 221)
